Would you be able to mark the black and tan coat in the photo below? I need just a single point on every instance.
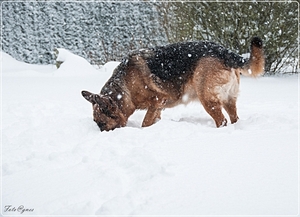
(164, 77)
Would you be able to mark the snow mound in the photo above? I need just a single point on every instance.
(72, 64)
(107, 67)
(15, 67)
(8, 63)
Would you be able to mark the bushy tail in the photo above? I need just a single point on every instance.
(255, 66)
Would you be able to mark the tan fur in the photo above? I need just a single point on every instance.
(256, 64)
(217, 87)
(212, 83)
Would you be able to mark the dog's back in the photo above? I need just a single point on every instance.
(176, 60)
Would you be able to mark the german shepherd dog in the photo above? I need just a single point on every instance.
(163, 77)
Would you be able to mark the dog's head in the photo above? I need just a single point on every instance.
(106, 113)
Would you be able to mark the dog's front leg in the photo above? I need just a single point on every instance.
(158, 103)
(152, 115)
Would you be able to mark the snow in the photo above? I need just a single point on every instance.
(55, 160)
(119, 96)
(73, 65)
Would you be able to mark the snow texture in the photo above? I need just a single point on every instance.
(55, 161)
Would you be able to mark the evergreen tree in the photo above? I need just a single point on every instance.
(233, 24)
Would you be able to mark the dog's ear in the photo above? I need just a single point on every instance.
(104, 101)
(100, 100)
(88, 96)
(113, 105)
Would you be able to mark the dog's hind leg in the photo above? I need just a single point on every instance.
(230, 107)
(214, 109)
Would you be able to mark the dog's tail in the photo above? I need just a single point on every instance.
(255, 66)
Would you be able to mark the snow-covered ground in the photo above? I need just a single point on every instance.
(55, 161)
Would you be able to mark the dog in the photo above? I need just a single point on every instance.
(165, 76)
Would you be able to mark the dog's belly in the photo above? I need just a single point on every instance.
(188, 95)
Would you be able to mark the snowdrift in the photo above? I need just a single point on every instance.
(55, 161)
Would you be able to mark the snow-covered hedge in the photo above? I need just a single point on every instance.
(98, 31)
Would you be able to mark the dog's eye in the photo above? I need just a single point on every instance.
(106, 112)
(114, 117)
(109, 114)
